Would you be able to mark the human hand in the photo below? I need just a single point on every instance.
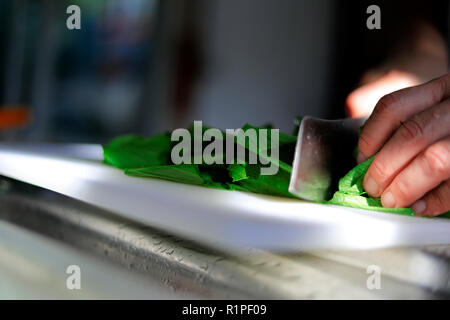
(410, 131)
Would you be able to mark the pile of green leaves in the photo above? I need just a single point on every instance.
(150, 157)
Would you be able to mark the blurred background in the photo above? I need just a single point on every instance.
(146, 66)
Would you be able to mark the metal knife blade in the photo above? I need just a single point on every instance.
(323, 154)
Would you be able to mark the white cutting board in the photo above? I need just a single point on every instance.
(217, 218)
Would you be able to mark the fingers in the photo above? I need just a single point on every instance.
(424, 173)
(414, 136)
(435, 202)
(397, 107)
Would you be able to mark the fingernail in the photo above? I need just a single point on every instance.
(371, 187)
(360, 158)
(419, 207)
(388, 200)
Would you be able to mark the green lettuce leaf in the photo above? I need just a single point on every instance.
(185, 173)
(136, 152)
(361, 202)
(237, 172)
(352, 194)
(351, 183)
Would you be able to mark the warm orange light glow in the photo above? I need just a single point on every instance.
(363, 100)
(14, 117)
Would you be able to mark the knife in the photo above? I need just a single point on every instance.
(324, 153)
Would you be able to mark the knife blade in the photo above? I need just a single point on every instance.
(323, 154)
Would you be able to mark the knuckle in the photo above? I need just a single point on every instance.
(439, 89)
(438, 159)
(386, 104)
(364, 143)
(379, 172)
(412, 129)
(402, 190)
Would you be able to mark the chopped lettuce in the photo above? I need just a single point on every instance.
(132, 151)
(150, 158)
(352, 194)
(186, 173)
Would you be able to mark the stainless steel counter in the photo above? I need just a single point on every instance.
(42, 232)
